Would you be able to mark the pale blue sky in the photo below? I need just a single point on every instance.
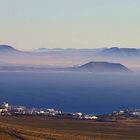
(31, 24)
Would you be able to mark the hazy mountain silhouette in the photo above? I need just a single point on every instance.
(62, 57)
(103, 67)
(115, 51)
(7, 48)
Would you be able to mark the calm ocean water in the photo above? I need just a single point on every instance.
(71, 92)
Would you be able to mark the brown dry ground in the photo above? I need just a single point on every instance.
(46, 128)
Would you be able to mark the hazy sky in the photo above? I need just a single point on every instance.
(31, 24)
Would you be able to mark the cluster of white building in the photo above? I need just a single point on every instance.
(135, 112)
(5, 109)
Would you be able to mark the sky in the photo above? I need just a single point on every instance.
(31, 24)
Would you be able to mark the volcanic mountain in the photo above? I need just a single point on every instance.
(102, 67)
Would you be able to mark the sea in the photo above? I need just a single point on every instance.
(71, 91)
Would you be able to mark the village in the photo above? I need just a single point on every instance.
(9, 110)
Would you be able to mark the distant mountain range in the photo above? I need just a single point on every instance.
(102, 51)
(114, 51)
(60, 57)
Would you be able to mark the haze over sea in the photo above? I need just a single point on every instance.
(71, 91)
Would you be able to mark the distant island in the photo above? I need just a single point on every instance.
(102, 67)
